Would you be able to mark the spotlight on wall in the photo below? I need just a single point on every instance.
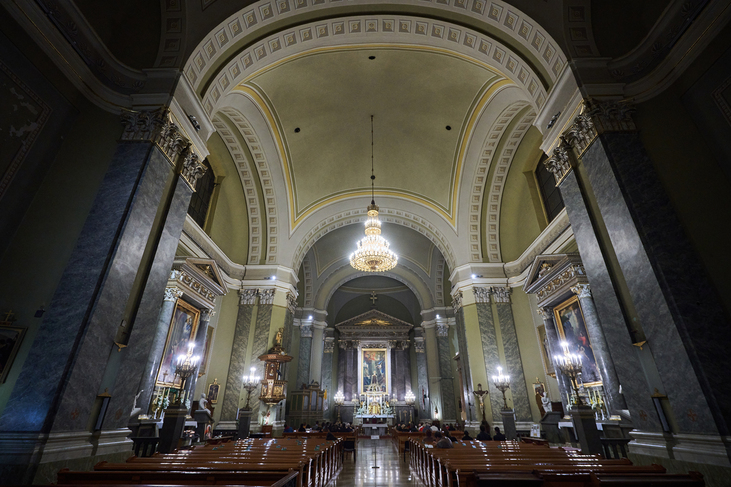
(474, 276)
(273, 278)
(310, 318)
(437, 316)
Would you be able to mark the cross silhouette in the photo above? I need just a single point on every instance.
(373, 298)
(9, 316)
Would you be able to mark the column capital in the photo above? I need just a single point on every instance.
(155, 126)
(500, 294)
(457, 301)
(207, 314)
(545, 312)
(442, 329)
(559, 164)
(192, 168)
(596, 118)
(266, 296)
(172, 294)
(582, 290)
(482, 294)
(291, 302)
(419, 345)
(306, 330)
(329, 345)
(247, 297)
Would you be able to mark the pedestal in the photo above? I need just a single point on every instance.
(549, 422)
(203, 418)
(244, 422)
(586, 431)
(172, 429)
(509, 424)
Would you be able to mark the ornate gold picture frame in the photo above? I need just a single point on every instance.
(572, 329)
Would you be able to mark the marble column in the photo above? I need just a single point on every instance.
(633, 370)
(200, 346)
(261, 343)
(449, 406)
(327, 370)
(600, 349)
(684, 325)
(303, 364)
(422, 374)
(237, 364)
(157, 345)
(342, 364)
(143, 330)
(351, 372)
(467, 395)
(316, 353)
(488, 337)
(511, 350)
(564, 384)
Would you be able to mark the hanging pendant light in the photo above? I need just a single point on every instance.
(373, 254)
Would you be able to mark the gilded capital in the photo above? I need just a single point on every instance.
(172, 294)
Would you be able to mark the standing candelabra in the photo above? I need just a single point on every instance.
(410, 400)
(502, 383)
(480, 393)
(570, 366)
(339, 400)
(186, 365)
(250, 383)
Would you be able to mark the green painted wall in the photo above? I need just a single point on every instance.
(229, 225)
(520, 224)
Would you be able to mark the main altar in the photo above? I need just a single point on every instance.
(374, 368)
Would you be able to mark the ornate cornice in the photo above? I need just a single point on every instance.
(482, 294)
(190, 282)
(582, 291)
(500, 294)
(247, 297)
(172, 294)
(567, 276)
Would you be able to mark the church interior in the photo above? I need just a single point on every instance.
(237, 216)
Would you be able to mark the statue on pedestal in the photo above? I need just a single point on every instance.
(203, 403)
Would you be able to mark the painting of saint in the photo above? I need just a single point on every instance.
(373, 371)
(183, 327)
(572, 329)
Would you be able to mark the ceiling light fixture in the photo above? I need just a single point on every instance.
(373, 254)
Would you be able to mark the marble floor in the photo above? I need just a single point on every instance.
(393, 470)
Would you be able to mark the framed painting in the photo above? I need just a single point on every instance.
(213, 391)
(206, 352)
(572, 329)
(10, 339)
(183, 327)
(374, 376)
(548, 366)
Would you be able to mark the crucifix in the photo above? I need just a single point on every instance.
(373, 299)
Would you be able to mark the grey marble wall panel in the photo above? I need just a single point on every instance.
(237, 363)
(157, 346)
(422, 373)
(472, 413)
(351, 374)
(407, 374)
(327, 382)
(685, 324)
(144, 329)
(492, 358)
(601, 354)
(449, 405)
(260, 346)
(342, 364)
(303, 364)
(37, 393)
(513, 364)
(629, 368)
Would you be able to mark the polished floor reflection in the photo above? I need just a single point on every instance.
(392, 471)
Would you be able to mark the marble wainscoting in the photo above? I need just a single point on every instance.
(669, 351)
(327, 383)
(490, 352)
(259, 347)
(513, 363)
(144, 330)
(303, 363)
(472, 414)
(237, 364)
(449, 406)
(628, 360)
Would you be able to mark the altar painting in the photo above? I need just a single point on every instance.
(374, 373)
(183, 327)
(572, 329)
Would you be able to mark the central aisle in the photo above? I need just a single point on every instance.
(393, 472)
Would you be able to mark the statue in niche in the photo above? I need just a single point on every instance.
(135, 409)
(203, 403)
(278, 338)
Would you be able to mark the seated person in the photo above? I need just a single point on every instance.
(498, 436)
(467, 436)
(331, 437)
(288, 429)
(412, 428)
(302, 428)
(317, 426)
(447, 434)
(483, 435)
(429, 438)
(442, 442)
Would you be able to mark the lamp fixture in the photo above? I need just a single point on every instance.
(373, 254)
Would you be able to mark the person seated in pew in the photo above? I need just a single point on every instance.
(302, 428)
(429, 438)
(421, 427)
(348, 428)
(442, 442)
(412, 428)
(467, 436)
(483, 435)
(498, 436)
(331, 437)
(316, 428)
(288, 429)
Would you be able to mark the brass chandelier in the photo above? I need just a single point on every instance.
(373, 254)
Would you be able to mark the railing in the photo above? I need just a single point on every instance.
(615, 447)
